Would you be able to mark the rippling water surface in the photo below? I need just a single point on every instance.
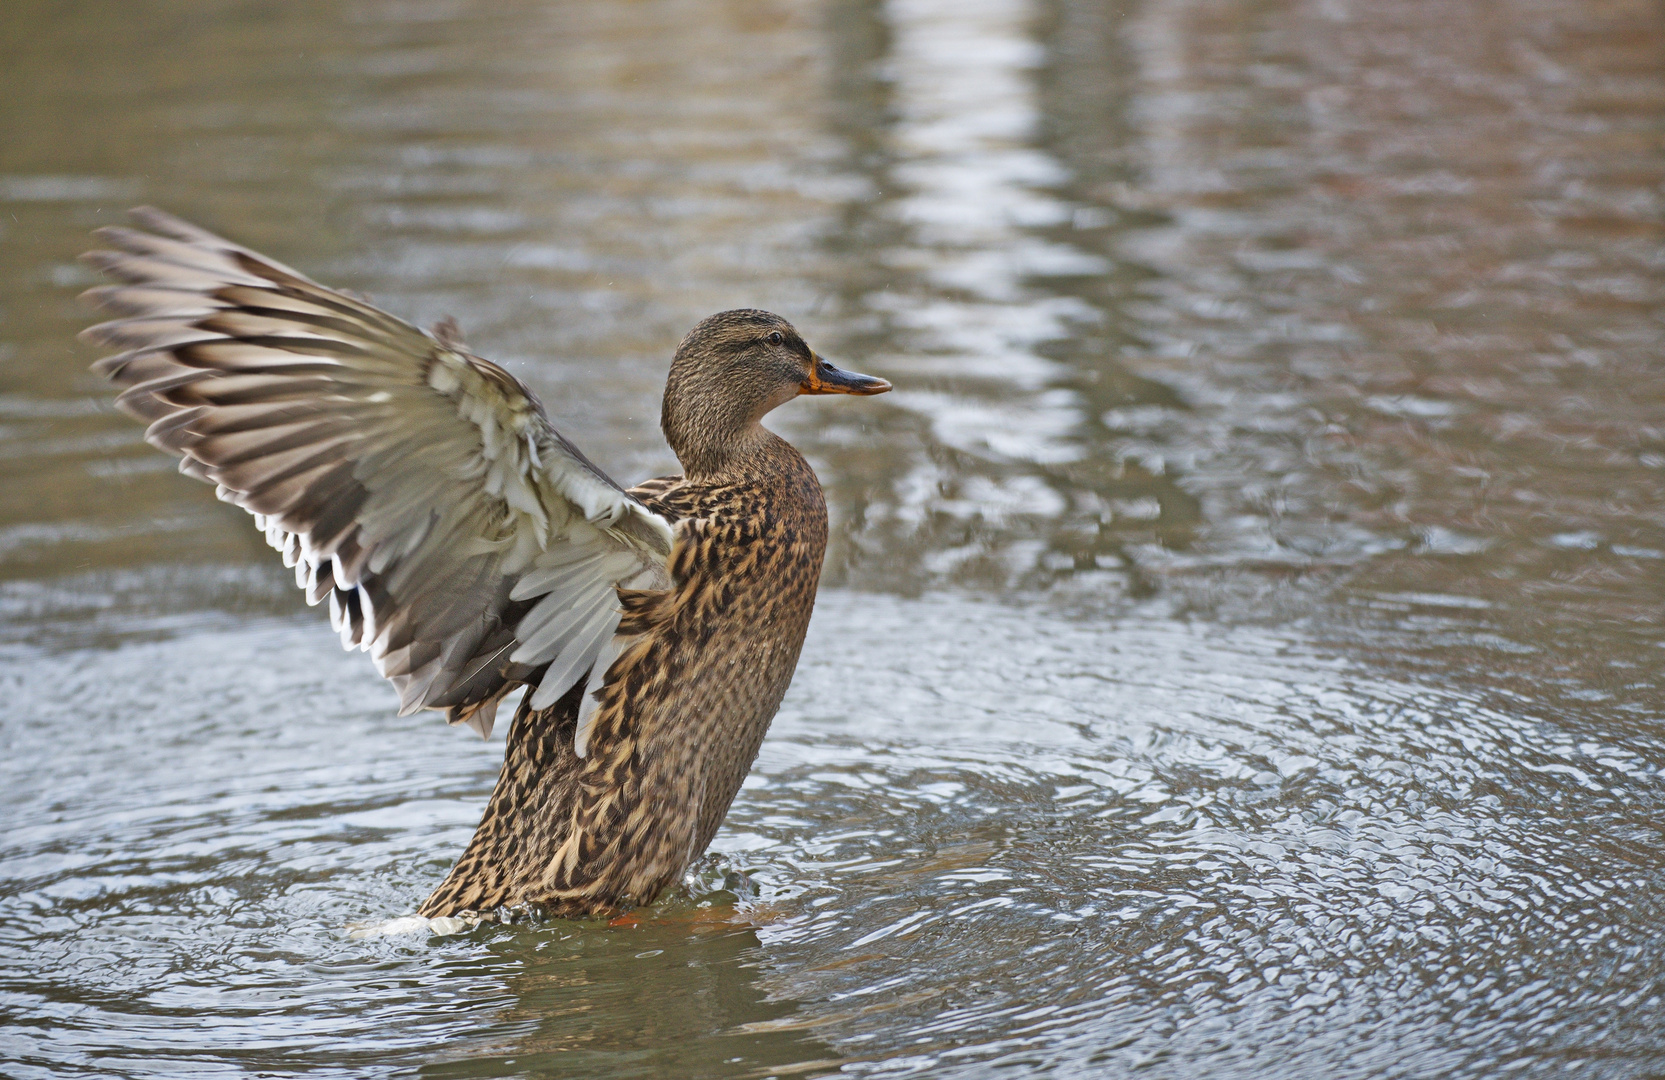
(1241, 648)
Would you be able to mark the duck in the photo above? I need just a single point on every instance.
(472, 550)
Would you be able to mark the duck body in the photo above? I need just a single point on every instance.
(683, 715)
(473, 551)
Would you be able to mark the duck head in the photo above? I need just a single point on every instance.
(729, 372)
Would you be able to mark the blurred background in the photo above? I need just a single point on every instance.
(1240, 649)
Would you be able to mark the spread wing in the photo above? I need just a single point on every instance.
(459, 538)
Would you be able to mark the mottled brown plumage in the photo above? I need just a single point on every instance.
(682, 713)
(471, 550)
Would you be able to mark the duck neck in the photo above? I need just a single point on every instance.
(732, 455)
(712, 434)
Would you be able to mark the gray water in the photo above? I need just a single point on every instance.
(1240, 652)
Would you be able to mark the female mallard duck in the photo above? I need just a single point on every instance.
(470, 549)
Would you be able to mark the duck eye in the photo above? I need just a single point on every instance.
(777, 338)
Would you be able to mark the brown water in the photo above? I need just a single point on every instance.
(1242, 647)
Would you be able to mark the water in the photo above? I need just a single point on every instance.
(1241, 647)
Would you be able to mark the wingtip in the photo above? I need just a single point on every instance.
(165, 223)
(110, 367)
(100, 259)
(96, 297)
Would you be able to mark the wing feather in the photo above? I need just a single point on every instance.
(458, 538)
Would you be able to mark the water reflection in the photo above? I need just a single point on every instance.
(969, 190)
(679, 996)
(971, 292)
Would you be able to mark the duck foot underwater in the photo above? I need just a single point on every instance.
(472, 550)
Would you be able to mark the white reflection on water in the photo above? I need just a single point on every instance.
(975, 188)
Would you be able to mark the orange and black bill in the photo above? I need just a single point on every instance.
(826, 379)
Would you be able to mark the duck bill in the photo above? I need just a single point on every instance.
(824, 378)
